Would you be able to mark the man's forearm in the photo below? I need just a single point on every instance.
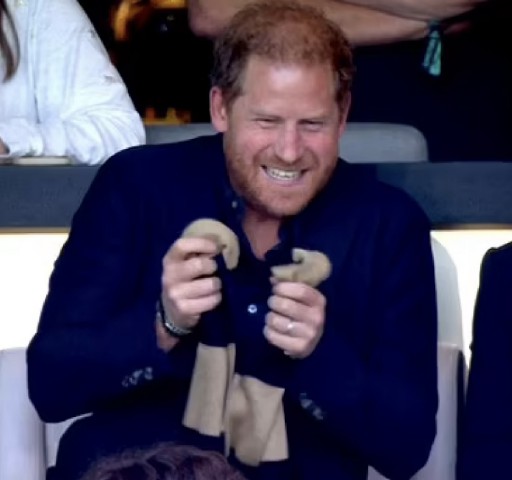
(208, 17)
(363, 26)
(425, 10)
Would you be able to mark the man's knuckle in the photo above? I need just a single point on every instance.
(215, 283)
(284, 304)
(266, 332)
(176, 249)
(204, 265)
(322, 301)
(302, 290)
(173, 294)
(181, 243)
(317, 318)
(195, 265)
(181, 304)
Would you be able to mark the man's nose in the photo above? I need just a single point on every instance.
(289, 145)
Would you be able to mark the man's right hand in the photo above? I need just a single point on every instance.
(189, 286)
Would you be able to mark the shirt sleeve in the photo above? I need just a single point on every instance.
(84, 110)
(96, 337)
(382, 404)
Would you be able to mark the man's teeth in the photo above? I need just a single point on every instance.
(283, 174)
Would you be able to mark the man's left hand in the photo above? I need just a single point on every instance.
(295, 323)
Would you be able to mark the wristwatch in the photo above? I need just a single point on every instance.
(170, 327)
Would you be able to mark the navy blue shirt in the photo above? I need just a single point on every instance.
(368, 393)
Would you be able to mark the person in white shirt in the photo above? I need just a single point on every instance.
(60, 95)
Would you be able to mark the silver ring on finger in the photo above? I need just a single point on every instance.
(290, 327)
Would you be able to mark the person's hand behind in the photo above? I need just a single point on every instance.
(189, 286)
(295, 323)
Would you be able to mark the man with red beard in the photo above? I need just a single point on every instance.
(290, 374)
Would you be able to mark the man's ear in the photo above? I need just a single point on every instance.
(218, 110)
(344, 109)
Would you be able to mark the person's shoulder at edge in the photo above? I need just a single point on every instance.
(503, 251)
(500, 258)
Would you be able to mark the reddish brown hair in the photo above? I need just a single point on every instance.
(280, 31)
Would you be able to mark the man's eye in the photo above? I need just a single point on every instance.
(313, 125)
(266, 122)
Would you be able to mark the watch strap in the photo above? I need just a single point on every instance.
(170, 327)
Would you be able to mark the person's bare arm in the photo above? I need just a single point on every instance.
(425, 10)
(363, 26)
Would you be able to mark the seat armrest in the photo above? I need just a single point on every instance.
(22, 447)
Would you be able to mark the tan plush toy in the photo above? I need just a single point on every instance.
(223, 236)
(309, 267)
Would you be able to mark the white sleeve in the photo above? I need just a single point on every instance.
(84, 110)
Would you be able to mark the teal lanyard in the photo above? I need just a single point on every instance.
(432, 58)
